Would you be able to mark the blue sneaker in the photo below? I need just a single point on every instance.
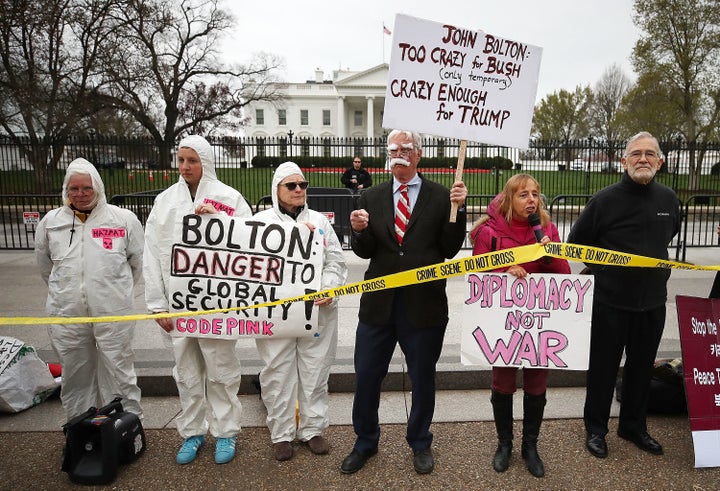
(225, 450)
(189, 449)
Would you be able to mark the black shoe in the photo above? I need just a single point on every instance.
(356, 460)
(643, 441)
(423, 461)
(597, 445)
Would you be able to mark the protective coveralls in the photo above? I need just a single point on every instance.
(90, 261)
(298, 368)
(207, 371)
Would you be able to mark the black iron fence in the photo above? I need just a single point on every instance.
(562, 167)
(568, 171)
(19, 215)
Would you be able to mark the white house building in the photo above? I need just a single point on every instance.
(348, 106)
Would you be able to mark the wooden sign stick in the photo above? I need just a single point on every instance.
(458, 177)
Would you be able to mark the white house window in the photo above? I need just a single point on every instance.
(304, 117)
(358, 118)
(259, 116)
(326, 117)
(282, 117)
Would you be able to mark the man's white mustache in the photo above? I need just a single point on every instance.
(398, 160)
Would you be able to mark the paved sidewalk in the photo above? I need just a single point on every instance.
(463, 447)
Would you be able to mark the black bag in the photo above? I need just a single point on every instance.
(667, 388)
(99, 440)
(715, 289)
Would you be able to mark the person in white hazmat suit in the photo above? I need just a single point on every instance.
(207, 371)
(297, 369)
(90, 255)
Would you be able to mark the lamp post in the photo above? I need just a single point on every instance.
(678, 142)
(589, 163)
(290, 135)
(93, 156)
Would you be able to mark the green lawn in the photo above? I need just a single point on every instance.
(255, 182)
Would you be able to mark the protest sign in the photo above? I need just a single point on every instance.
(460, 83)
(24, 378)
(698, 321)
(220, 262)
(540, 321)
(9, 348)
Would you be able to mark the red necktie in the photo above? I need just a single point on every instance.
(402, 213)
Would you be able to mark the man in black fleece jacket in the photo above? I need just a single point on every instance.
(639, 216)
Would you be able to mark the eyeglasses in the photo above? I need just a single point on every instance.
(650, 155)
(405, 152)
(292, 185)
(75, 191)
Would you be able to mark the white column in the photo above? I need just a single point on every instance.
(341, 117)
(370, 116)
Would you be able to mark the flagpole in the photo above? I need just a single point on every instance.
(382, 40)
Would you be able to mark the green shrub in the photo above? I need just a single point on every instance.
(379, 162)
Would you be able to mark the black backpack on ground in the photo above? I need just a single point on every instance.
(99, 440)
(667, 388)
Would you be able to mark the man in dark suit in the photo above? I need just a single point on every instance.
(415, 316)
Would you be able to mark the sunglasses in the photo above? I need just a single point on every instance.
(292, 185)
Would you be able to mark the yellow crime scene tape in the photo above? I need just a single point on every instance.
(455, 267)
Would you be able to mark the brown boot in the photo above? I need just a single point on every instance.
(318, 445)
(283, 451)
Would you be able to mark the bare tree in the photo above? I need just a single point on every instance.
(168, 74)
(608, 94)
(49, 51)
(680, 49)
(607, 100)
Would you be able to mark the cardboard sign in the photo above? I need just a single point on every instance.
(540, 321)
(699, 320)
(460, 83)
(9, 347)
(220, 262)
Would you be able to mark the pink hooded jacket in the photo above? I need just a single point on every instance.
(496, 233)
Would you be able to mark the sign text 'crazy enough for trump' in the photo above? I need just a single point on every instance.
(456, 82)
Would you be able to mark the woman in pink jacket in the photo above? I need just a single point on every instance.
(505, 226)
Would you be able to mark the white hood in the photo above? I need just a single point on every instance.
(82, 166)
(284, 170)
(207, 159)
